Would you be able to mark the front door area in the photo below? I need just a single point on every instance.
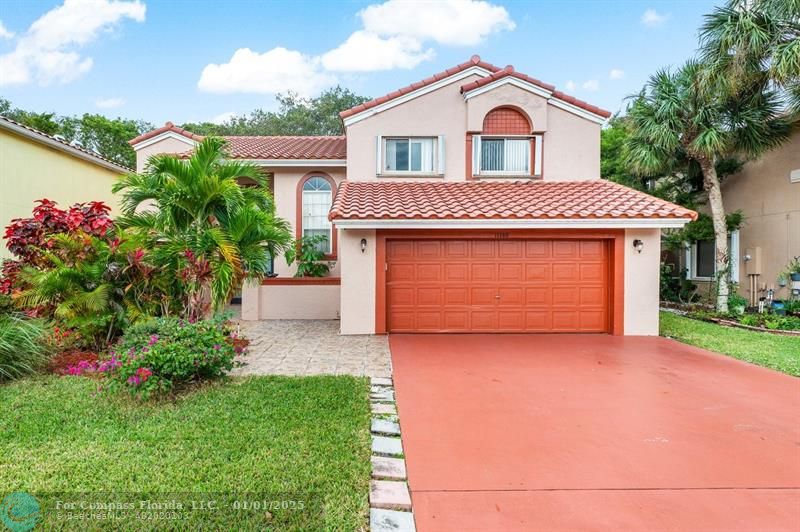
(498, 284)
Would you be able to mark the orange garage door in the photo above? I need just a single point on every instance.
(497, 286)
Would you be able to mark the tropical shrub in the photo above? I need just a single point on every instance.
(22, 345)
(308, 255)
(156, 355)
(205, 231)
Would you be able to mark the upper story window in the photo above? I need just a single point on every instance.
(506, 146)
(410, 155)
(317, 197)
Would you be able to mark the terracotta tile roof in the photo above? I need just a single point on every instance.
(509, 71)
(298, 147)
(61, 144)
(596, 199)
(497, 73)
(169, 126)
(475, 60)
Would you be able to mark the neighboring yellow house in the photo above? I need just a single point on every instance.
(34, 165)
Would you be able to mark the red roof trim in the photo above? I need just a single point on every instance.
(475, 60)
(333, 147)
(509, 71)
(547, 200)
(168, 127)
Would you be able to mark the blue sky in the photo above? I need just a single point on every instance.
(150, 59)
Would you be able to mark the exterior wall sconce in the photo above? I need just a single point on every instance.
(638, 245)
(363, 245)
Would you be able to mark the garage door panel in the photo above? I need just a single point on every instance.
(429, 272)
(508, 321)
(564, 295)
(482, 296)
(565, 271)
(537, 296)
(511, 296)
(456, 272)
(591, 271)
(401, 296)
(483, 272)
(429, 296)
(428, 249)
(456, 296)
(537, 272)
(537, 249)
(510, 271)
(592, 320)
(456, 249)
(462, 285)
(484, 249)
(483, 320)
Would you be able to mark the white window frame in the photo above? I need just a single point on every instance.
(437, 153)
(733, 252)
(329, 225)
(536, 146)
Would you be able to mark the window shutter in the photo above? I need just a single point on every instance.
(378, 155)
(476, 155)
(537, 157)
(441, 154)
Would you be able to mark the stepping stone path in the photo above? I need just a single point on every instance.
(389, 498)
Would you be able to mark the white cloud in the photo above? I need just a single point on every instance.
(274, 71)
(366, 52)
(450, 22)
(590, 85)
(109, 103)
(223, 117)
(616, 73)
(46, 52)
(5, 33)
(652, 18)
(570, 86)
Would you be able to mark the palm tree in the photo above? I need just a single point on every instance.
(755, 38)
(202, 225)
(681, 115)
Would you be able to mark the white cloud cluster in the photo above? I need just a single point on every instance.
(616, 73)
(46, 52)
(277, 70)
(652, 18)
(590, 85)
(395, 34)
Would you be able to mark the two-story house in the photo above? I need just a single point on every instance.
(470, 201)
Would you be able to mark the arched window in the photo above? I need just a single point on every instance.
(507, 145)
(317, 196)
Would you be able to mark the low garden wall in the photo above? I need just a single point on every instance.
(292, 298)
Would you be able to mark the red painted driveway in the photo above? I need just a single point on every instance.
(577, 432)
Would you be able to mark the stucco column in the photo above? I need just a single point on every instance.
(642, 273)
(358, 281)
(251, 301)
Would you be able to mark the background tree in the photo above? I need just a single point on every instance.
(680, 115)
(106, 136)
(747, 39)
(296, 116)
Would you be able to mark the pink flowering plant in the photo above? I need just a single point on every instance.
(156, 355)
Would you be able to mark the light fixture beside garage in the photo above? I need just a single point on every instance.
(363, 245)
(638, 245)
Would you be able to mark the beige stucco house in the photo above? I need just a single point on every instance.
(470, 201)
(767, 192)
(34, 166)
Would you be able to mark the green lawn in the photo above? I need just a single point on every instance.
(274, 439)
(769, 350)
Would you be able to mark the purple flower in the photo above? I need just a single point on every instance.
(145, 349)
(153, 339)
(134, 380)
(217, 347)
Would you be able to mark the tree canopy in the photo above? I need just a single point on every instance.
(296, 116)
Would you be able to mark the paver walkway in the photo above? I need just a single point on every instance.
(591, 432)
(311, 347)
